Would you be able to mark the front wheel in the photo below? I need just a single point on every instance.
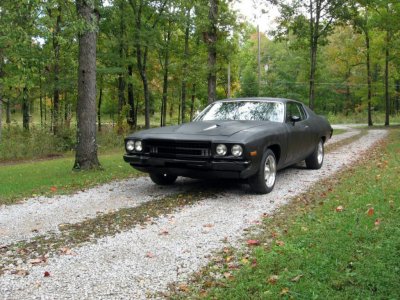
(263, 181)
(316, 159)
(163, 178)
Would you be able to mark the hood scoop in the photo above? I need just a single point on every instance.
(211, 127)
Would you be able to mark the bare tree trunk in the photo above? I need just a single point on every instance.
(166, 70)
(99, 109)
(192, 102)
(369, 77)
(397, 87)
(211, 40)
(387, 98)
(131, 99)
(56, 88)
(25, 109)
(185, 67)
(1, 115)
(314, 34)
(86, 150)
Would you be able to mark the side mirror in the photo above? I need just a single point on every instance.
(295, 119)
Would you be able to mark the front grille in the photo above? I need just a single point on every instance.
(177, 149)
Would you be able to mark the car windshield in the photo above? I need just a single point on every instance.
(243, 111)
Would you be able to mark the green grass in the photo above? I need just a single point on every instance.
(311, 251)
(56, 176)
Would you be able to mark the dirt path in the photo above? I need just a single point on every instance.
(138, 262)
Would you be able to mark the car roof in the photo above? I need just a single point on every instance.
(266, 99)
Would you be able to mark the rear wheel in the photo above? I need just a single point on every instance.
(163, 178)
(263, 181)
(316, 159)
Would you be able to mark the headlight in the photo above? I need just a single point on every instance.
(237, 150)
(221, 149)
(130, 145)
(138, 146)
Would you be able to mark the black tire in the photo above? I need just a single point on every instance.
(259, 183)
(316, 159)
(163, 178)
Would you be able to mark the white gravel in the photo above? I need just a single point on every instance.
(141, 261)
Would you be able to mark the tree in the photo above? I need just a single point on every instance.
(147, 14)
(86, 150)
(311, 21)
(211, 40)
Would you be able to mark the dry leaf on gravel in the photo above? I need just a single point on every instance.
(46, 274)
(253, 242)
(150, 254)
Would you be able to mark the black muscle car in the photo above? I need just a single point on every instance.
(243, 139)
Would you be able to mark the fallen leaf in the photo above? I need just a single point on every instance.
(183, 288)
(274, 235)
(149, 255)
(208, 225)
(163, 232)
(20, 272)
(228, 259)
(253, 242)
(245, 261)
(53, 189)
(377, 222)
(273, 279)
(227, 275)
(46, 274)
(370, 211)
(297, 278)
(39, 260)
(254, 263)
(284, 291)
(340, 208)
(280, 243)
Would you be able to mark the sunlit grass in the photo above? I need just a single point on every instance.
(341, 241)
(56, 176)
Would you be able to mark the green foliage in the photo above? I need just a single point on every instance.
(18, 144)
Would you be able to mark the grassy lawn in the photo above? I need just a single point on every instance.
(55, 176)
(340, 241)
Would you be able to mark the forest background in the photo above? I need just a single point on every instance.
(159, 62)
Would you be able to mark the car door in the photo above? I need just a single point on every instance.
(298, 139)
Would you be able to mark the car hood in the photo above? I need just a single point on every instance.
(206, 128)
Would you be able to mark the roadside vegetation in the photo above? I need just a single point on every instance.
(339, 241)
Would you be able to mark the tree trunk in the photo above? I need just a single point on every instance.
(86, 150)
(131, 99)
(165, 81)
(387, 98)
(185, 67)
(192, 102)
(397, 95)
(211, 39)
(99, 109)
(369, 77)
(40, 99)
(143, 75)
(56, 74)
(1, 115)
(25, 109)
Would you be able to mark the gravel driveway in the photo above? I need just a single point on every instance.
(138, 262)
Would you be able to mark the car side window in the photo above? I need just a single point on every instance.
(303, 114)
(295, 109)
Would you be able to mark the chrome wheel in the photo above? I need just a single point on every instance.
(320, 155)
(270, 171)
